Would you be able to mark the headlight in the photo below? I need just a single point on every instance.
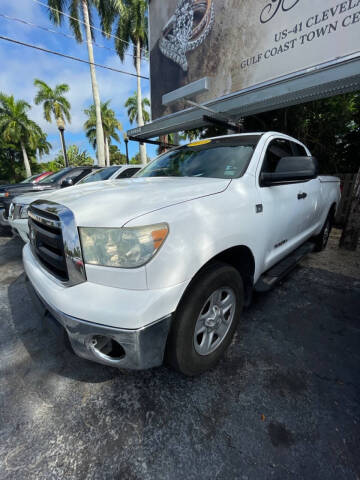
(11, 210)
(23, 213)
(122, 247)
(17, 211)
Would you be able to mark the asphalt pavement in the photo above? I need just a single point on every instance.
(282, 404)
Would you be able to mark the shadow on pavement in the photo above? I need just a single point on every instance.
(48, 352)
(5, 232)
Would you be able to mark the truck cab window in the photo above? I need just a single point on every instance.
(299, 150)
(276, 150)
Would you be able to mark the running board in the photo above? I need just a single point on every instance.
(281, 269)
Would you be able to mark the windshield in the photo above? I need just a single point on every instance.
(30, 179)
(54, 177)
(217, 158)
(98, 175)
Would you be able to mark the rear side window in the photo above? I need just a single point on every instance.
(77, 175)
(99, 174)
(299, 150)
(277, 149)
(129, 172)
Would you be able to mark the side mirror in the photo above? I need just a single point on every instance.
(68, 182)
(290, 170)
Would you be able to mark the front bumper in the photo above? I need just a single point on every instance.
(136, 349)
(21, 227)
(115, 307)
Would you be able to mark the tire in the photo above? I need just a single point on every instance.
(205, 306)
(322, 239)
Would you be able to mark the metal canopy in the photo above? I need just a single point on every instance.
(333, 78)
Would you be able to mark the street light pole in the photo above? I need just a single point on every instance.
(126, 140)
(61, 128)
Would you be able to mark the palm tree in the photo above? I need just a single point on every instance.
(110, 126)
(55, 104)
(17, 128)
(42, 146)
(75, 8)
(132, 28)
(132, 108)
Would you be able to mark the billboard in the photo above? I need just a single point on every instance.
(234, 44)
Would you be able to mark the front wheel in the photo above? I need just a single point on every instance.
(206, 319)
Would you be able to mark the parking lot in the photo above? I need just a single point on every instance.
(283, 403)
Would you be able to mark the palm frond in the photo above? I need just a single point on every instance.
(123, 32)
(58, 6)
(74, 10)
(53, 100)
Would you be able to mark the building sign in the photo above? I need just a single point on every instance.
(237, 44)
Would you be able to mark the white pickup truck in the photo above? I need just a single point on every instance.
(159, 267)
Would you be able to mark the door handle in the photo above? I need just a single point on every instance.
(301, 196)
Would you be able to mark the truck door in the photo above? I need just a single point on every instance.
(281, 207)
(309, 202)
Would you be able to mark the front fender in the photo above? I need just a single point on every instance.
(198, 231)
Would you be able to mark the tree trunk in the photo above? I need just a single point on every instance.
(107, 151)
(142, 146)
(95, 88)
(26, 160)
(351, 232)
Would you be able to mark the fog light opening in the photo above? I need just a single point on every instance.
(107, 347)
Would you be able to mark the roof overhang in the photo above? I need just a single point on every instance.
(326, 80)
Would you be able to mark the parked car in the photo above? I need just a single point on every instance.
(18, 216)
(162, 267)
(64, 178)
(33, 179)
(112, 173)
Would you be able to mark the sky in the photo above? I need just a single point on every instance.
(20, 65)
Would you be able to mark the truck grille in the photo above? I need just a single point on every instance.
(47, 243)
(55, 241)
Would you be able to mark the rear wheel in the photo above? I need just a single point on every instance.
(322, 239)
(206, 319)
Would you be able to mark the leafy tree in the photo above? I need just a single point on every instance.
(136, 160)
(329, 127)
(81, 10)
(132, 27)
(76, 157)
(17, 129)
(132, 108)
(109, 123)
(116, 157)
(11, 163)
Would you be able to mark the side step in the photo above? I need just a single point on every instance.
(281, 269)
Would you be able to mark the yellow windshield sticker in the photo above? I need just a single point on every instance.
(200, 142)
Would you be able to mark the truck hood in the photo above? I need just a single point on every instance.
(27, 198)
(115, 202)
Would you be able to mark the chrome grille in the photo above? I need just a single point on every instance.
(55, 241)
